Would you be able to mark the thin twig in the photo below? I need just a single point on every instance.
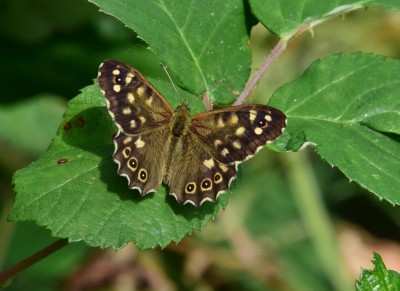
(276, 51)
(8, 274)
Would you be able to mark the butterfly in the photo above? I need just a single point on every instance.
(195, 156)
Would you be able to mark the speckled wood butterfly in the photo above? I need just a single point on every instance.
(196, 156)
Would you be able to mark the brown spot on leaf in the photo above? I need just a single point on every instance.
(67, 126)
(80, 121)
(62, 161)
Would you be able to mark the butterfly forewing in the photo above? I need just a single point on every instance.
(134, 104)
(236, 133)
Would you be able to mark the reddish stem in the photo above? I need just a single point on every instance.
(276, 51)
(8, 274)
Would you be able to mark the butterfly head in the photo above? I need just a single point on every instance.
(183, 108)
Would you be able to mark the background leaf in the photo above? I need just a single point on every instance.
(42, 112)
(193, 39)
(283, 19)
(348, 107)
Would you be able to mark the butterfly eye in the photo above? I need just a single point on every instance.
(206, 184)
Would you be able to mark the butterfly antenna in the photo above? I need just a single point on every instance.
(172, 82)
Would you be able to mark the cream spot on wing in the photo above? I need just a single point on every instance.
(223, 167)
(126, 111)
(258, 130)
(225, 152)
(236, 144)
(234, 119)
(268, 118)
(142, 119)
(128, 78)
(140, 91)
(149, 101)
(252, 115)
(131, 98)
(127, 140)
(220, 122)
(240, 131)
(209, 163)
(139, 143)
(217, 142)
(133, 123)
(116, 72)
(117, 88)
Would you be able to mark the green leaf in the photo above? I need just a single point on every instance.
(348, 106)
(74, 190)
(284, 17)
(205, 45)
(30, 125)
(379, 278)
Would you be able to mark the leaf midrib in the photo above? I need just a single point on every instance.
(184, 40)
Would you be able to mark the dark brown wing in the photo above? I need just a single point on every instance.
(236, 133)
(134, 104)
(195, 176)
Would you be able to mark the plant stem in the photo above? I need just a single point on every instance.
(276, 51)
(316, 220)
(7, 228)
(8, 274)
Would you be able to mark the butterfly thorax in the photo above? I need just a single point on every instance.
(180, 120)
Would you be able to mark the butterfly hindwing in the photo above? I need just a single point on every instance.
(194, 175)
(141, 158)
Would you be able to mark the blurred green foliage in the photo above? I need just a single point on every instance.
(52, 48)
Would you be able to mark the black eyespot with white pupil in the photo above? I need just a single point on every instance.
(143, 175)
(133, 163)
(190, 188)
(217, 177)
(261, 122)
(206, 184)
(118, 80)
